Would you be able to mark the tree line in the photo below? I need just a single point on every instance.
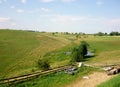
(113, 33)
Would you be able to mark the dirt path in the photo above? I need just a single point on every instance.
(91, 80)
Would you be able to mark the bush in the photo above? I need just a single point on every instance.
(43, 64)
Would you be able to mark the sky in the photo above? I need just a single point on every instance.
(88, 16)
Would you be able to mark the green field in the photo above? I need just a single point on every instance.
(106, 49)
(20, 50)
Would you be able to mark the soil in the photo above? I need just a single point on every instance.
(91, 80)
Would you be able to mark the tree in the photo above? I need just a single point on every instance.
(43, 64)
(84, 46)
(100, 34)
(77, 36)
(114, 33)
(79, 52)
(105, 33)
(53, 33)
(75, 55)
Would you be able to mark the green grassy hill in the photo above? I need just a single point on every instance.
(19, 50)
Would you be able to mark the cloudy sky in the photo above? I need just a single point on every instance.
(89, 16)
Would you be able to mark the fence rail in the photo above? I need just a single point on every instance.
(31, 76)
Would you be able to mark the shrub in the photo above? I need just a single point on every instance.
(43, 64)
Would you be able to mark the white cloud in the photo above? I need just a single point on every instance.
(115, 21)
(112, 22)
(69, 19)
(13, 24)
(33, 11)
(67, 0)
(23, 1)
(45, 9)
(20, 11)
(46, 1)
(41, 10)
(3, 19)
(84, 20)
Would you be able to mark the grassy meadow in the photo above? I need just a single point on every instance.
(20, 50)
(107, 50)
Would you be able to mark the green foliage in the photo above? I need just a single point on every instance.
(75, 55)
(43, 64)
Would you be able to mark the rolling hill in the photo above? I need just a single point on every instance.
(19, 50)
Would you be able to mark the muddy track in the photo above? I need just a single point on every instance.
(92, 81)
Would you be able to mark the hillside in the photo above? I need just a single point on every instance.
(19, 50)
(106, 48)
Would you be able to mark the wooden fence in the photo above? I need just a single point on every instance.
(27, 77)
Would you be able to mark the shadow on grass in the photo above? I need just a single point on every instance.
(88, 57)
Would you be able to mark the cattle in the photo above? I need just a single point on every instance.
(114, 70)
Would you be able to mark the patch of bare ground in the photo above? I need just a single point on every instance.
(91, 80)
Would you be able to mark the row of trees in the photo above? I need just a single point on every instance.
(68, 33)
(113, 33)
